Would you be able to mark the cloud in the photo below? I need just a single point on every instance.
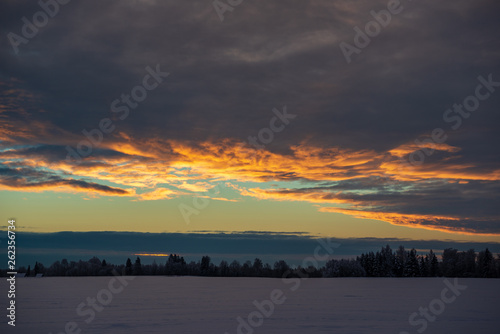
(25, 179)
(355, 122)
(364, 184)
(116, 247)
(406, 149)
(160, 193)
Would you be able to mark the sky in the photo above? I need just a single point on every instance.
(346, 119)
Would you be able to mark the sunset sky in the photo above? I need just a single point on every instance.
(257, 122)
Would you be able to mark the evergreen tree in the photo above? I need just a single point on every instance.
(424, 266)
(369, 264)
(449, 264)
(280, 268)
(470, 263)
(485, 264)
(128, 267)
(175, 265)
(400, 262)
(387, 261)
(433, 264)
(137, 267)
(411, 266)
(205, 266)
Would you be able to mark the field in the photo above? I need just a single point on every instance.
(253, 305)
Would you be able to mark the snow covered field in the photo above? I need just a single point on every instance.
(213, 305)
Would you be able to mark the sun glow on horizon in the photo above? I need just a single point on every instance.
(151, 254)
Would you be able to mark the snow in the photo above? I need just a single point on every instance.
(212, 305)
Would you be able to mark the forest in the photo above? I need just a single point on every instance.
(383, 263)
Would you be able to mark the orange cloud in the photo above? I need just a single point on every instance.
(159, 193)
(158, 169)
(314, 196)
(432, 222)
(409, 148)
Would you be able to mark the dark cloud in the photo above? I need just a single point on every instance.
(116, 247)
(32, 179)
(468, 207)
(57, 153)
(264, 55)
(227, 76)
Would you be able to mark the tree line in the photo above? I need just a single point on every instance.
(407, 263)
(383, 263)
